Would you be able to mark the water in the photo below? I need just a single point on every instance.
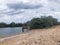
(8, 31)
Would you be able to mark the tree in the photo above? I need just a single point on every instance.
(18, 25)
(42, 22)
(35, 23)
(3, 24)
(12, 24)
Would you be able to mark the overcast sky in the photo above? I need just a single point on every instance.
(24, 10)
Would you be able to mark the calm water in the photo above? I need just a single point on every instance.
(8, 31)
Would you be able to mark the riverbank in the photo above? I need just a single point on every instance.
(49, 36)
(9, 35)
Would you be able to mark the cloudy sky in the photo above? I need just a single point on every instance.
(24, 10)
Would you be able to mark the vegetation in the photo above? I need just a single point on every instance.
(43, 22)
(10, 25)
(35, 23)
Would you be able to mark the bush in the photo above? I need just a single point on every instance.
(42, 22)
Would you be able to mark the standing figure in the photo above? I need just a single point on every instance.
(24, 27)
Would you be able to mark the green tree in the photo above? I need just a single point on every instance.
(43, 22)
(12, 24)
(3, 24)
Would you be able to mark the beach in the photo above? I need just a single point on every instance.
(48, 36)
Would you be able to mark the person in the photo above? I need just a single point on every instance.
(24, 27)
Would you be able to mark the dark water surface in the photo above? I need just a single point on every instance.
(8, 31)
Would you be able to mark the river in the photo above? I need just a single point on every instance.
(9, 31)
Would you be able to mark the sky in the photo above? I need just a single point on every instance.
(20, 11)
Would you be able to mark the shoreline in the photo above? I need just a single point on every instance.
(3, 36)
(11, 36)
(21, 33)
(8, 37)
(49, 36)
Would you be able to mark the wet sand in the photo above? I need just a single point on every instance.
(49, 36)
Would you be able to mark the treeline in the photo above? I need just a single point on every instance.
(42, 22)
(10, 25)
(35, 23)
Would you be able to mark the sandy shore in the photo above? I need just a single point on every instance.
(49, 36)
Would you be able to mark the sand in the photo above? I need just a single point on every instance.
(49, 36)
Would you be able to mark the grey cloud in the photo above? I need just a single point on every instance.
(10, 12)
(18, 6)
(53, 0)
(54, 5)
(23, 6)
(57, 1)
(52, 9)
(13, 12)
